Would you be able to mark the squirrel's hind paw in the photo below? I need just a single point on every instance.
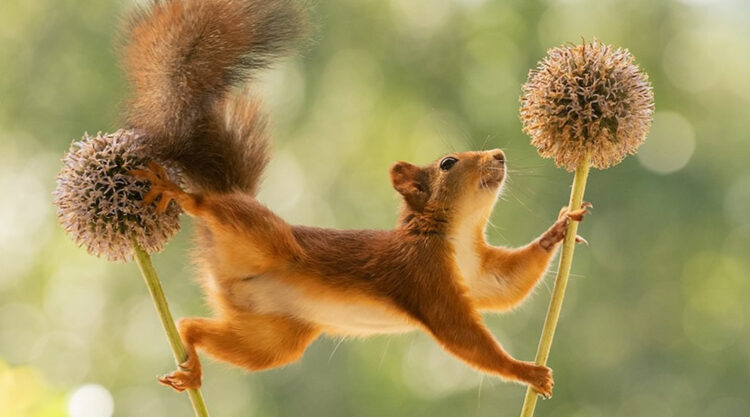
(162, 187)
(539, 377)
(187, 377)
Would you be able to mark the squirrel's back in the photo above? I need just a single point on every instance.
(183, 58)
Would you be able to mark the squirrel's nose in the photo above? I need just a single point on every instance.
(499, 156)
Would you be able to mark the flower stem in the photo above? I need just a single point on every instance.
(561, 281)
(143, 260)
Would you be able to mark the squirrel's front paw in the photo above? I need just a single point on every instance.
(161, 186)
(187, 377)
(556, 233)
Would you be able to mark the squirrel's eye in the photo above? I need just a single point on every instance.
(447, 163)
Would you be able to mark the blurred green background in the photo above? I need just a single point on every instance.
(654, 319)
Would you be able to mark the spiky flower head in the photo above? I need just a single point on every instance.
(99, 202)
(587, 101)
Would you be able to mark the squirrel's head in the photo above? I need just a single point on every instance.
(454, 187)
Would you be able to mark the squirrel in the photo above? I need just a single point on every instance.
(275, 287)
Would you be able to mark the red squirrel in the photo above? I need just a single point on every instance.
(276, 287)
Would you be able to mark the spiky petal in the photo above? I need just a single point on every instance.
(589, 99)
(99, 203)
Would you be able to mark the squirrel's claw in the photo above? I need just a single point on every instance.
(144, 174)
(188, 376)
(160, 171)
(161, 187)
(576, 215)
(177, 380)
(154, 173)
(556, 233)
(152, 195)
(542, 381)
(164, 203)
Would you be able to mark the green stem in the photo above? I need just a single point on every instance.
(162, 308)
(561, 281)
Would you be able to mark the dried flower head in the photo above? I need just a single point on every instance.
(99, 203)
(589, 99)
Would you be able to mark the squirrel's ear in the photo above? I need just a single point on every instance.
(411, 182)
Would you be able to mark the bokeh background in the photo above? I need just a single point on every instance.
(656, 318)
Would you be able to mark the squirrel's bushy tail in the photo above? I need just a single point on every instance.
(183, 58)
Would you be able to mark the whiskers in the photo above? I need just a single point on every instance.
(335, 348)
(485, 176)
(497, 230)
(448, 143)
(484, 144)
(482, 182)
(518, 185)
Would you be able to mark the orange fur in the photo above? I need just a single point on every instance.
(274, 286)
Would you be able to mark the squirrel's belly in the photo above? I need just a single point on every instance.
(340, 315)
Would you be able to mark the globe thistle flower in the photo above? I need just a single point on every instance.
(584, 105)
(587, 101)
(99, 202)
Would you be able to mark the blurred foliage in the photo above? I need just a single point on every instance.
(24, 394)
(654, 321)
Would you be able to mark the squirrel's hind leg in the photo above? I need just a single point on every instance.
(189, 373)
(244, 234)
(251, 341)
